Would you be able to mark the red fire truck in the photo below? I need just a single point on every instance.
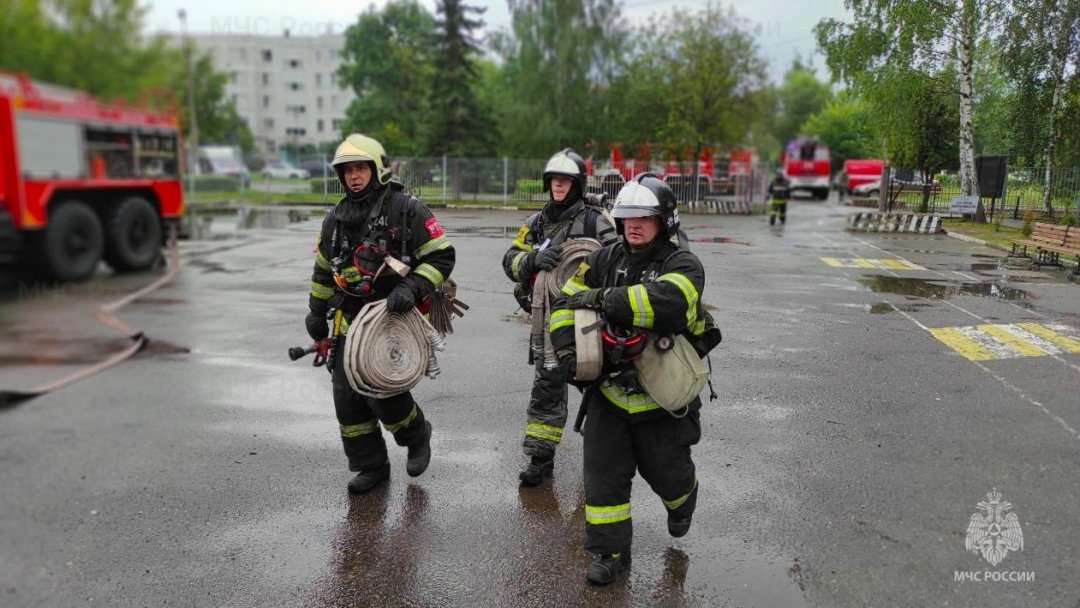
(805, 163)
(83, 181)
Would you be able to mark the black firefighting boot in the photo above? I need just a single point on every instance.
(538, 469)
(678, 525)
(419, 455)
(605, 568)
(367, 479)
(772, 219)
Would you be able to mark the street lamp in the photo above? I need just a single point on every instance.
(193, 122)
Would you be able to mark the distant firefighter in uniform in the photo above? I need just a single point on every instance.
(779, 193)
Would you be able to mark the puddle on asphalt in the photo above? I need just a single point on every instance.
(717, 239)
(885, 307)
(924, 288)
(225, 222)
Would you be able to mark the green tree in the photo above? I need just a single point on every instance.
(921, 36)
(846, 123)
(388, 63)
(459, 125)
(1042, 38)
(799, 96)
(712, 79)
(559, 60)
(218, 120)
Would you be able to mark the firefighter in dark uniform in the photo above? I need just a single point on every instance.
(537, 247)
(779, 193)
(645, 287)
(376, 218)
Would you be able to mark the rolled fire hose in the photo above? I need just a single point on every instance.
(587, 344)
(547, 286)
(387, 353)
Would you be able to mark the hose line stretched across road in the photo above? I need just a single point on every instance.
(104, 313)
(387, 353)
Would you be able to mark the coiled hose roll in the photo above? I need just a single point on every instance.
(387, 353)
(547, 286)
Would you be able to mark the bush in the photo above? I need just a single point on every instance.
(332, 185)
(1029, 223)
(528, 186)
(214, 183)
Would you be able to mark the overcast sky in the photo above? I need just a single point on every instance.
(783, 26)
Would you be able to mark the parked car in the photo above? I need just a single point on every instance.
(224, 160)
(278, 169)
(317, 168)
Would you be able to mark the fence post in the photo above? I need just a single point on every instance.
(506, 176)
(325, 179)
(444, 176)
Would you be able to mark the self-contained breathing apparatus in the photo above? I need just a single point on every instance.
(368, 260)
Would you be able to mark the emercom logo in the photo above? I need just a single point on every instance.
(993, 531)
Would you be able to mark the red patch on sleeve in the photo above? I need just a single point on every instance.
(434, 230)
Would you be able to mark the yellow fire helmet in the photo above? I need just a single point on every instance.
(361, 147)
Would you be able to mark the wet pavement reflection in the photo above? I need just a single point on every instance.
(930, 288)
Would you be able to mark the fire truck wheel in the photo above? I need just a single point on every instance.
(73, 242)
(132, 235)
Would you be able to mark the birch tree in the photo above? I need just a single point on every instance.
(1042, 41)
(924, 36)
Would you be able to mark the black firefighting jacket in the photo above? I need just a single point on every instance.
(657, 289)
(557, 223)
(354, 240)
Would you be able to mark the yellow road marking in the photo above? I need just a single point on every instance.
(863, 263)
(1013, 341)
(962, 344)
(898, 264)
(835, 263)
(1072, 346)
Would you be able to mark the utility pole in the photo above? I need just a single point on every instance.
(193, 126)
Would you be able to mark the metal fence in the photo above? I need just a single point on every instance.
(1023, 192)
(511, 182)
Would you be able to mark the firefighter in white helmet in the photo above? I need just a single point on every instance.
(375, 219)
(645, 288)
(568, 214)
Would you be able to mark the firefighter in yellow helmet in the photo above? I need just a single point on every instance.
(374, 219)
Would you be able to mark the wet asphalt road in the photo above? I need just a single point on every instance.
(839, 467)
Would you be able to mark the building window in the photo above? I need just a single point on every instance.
(266, 101)
(333, 78)
(233, 77)
(333, 55)
(296, 86)
(268, 123)
(294, 63)
(318, 102)
(295, 131)
(337, 123)
(268, 55)
(318, 80)
(266, 78)
(319, 125)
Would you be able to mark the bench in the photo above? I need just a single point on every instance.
(1050, 241)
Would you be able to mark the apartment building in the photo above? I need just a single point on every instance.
(286, 87)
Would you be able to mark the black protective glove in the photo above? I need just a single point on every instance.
(528, 265)
(548, 258)
(569, 363)
(317, 326)
(400, 299)
(590, 298)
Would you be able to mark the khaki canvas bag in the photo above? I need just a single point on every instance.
(673, 377)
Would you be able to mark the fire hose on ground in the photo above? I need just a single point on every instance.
(105, 314)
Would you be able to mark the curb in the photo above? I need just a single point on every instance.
(971, 239)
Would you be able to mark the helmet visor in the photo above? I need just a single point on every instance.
(624, 211)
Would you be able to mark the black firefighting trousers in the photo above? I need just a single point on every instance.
(359, 418)
(547, 411)
(614, 448)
